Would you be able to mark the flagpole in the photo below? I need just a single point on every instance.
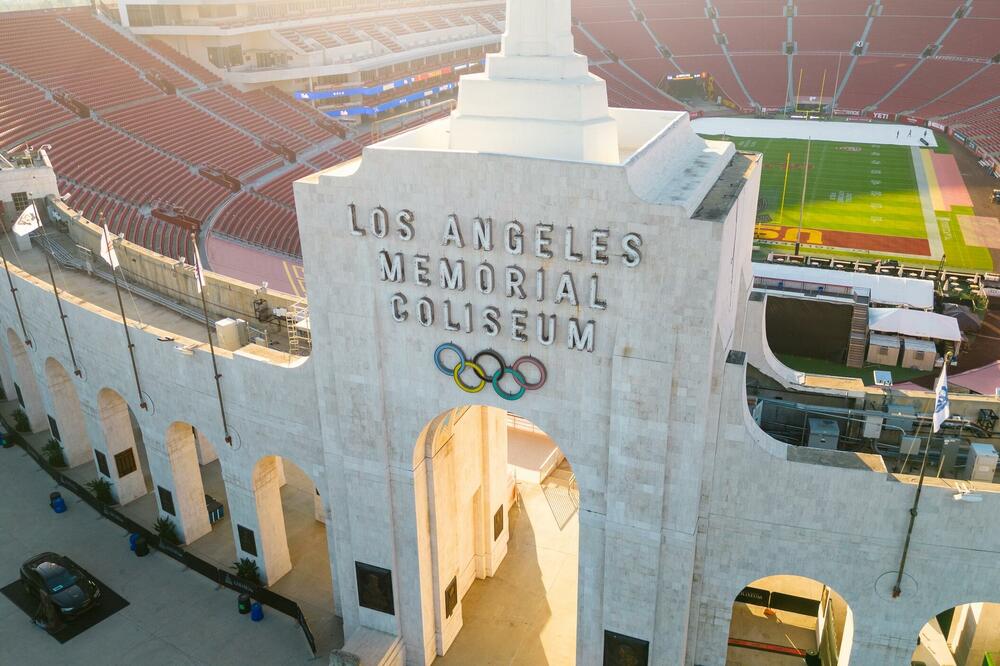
(896, 590)
(62, 315)
(13, 292)
(211, 346)
(121, 308)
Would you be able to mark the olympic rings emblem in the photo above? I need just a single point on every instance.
(483, 377)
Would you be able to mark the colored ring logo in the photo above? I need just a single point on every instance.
(481, 375)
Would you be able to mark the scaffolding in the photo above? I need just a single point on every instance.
(299, 333)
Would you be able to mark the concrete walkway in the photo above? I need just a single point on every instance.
(175, 617)
(526, 613)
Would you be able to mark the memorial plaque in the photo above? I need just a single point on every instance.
(166, 500)
(248, 542)
(374, 588)
(498, 523)
(451, 597)
(622, 650)
(102, 464)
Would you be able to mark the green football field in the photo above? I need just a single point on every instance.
(861, 201)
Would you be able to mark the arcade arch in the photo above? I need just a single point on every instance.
(70, 425)
(966, 635)
(183, 502)
(25, 385)
(784, 619)
(125, 462)
(502, 544)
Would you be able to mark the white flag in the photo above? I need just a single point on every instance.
(197, 266)
(108, 253)
(27, 221)
(942, 409)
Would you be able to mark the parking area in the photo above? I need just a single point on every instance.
(174, 616)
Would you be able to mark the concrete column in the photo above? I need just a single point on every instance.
(119, 437)
(68, 414)
(24, 375)
(495, 496)
(272, 543)
(182, 477)
(6, 377)
(318, 513)
(206, 451)
(279, 471)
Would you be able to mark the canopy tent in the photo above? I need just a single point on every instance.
(885, 289)
(914, 323)
(984, 380)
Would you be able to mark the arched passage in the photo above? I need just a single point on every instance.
(123, 463)
(25, 385)
(500, 507)
(783, 619)
(70, 427)
(966, 635)
(183, 498)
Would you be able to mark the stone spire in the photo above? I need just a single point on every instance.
(536, 97)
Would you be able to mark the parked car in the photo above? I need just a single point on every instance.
(71, 590)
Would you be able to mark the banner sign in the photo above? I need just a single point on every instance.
(391, 104)
(384, 87)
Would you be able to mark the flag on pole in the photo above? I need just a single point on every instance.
(942, 409)
(108, 253)
(27, 221)
(197, 264)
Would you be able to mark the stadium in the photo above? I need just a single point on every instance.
(716, 253)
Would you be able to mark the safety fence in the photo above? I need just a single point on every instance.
(219, 576)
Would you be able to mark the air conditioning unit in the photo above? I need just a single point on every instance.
(981, 463)
(909, 445)
(823, 434)
(232, 333)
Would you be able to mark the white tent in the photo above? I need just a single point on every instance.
(914, 323)
(885, 289)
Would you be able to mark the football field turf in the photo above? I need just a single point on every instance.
(861, 200)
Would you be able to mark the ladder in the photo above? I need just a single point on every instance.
(299, 334)
(859, 329)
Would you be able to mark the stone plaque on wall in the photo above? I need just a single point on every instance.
(375, 588)
(498, 523)
(451, 597)
(102, 464)
(248, 543)
(166, 500)
(622, 650)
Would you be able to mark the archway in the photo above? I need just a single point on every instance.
(124, 463)
(966, 635)
(68, 425)
(180, 490)
(25, 385)
(784, 619)
(501, 510)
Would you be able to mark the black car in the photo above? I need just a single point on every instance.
(70, 589)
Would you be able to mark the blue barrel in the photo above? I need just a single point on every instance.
(57, 502)
(256, 611)
(131, 540)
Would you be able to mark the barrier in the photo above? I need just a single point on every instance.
(222, 577)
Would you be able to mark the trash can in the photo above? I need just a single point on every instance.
(141, 547)
(256, 611)
(57, 502)
(132, 537)
(812, 659)
(243, 603)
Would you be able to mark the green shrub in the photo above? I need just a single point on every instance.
(54, 454)
(21, 423)
(167, 531)
(101, 490)
(247, 570)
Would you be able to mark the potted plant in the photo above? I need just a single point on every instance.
(21, 423)
(101, 490)
(246, 569)
(53, 452)
(167, 531)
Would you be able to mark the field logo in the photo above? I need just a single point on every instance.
(776, 232)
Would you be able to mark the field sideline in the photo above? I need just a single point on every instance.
(861, 200)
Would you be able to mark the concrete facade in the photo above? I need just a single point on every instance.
(629, 282)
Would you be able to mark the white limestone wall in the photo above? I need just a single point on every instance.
(271, 408)
(629, 416)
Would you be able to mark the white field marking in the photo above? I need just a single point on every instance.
(931, 227)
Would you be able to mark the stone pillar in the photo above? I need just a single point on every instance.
(179, 473)
(318, 513)
(24, 375)
(68, 415)
(272, 543)
(279, 470)
(495, 495)
(6, 377)
(119, 437)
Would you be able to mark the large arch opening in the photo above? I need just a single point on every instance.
(502, 511)
(784, 619)
(966, 635)
(25, 386)
(292, 539)
(68, 425)
(125, 463)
